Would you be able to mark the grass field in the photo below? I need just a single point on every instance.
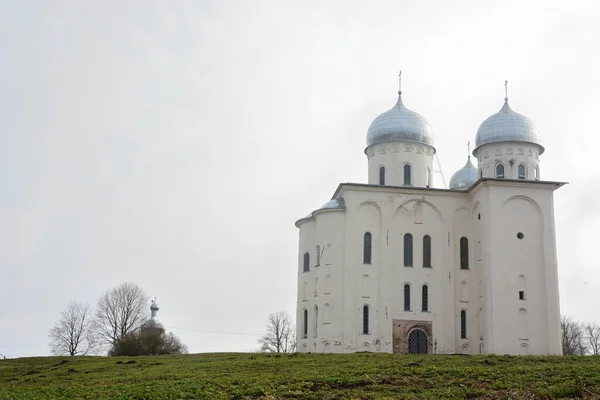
(301, 376)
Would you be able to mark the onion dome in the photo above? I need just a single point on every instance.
(507, 126)
(399, 124)
(464, 177)
(152, 322)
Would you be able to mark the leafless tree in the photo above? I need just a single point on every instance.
(573, 339)
(120, 310)
(592, 336)
(281, 334)
(72, 334)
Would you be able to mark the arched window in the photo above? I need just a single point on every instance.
(318, 251)
(305, 324)
(499, 171)
(306, 262)
(316, 321)
(424, 298)
(382, 175)
(407, 174)
(367, 242)
(521, 171)
(427, 251)
(464, 253)
(406, 297)
(463, 324)
(365, 320)
(408, 250)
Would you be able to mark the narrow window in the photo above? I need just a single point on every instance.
(306, 262)
(427, 251)
(428, 177)
(407, 297)
(464, 253)
(407, 174)
(318, 251)
(382, 175)
(521, 171)
(305, 325)
(463, 324)
(521, 295)
(367, 248)
(537, 173)
(408, 250)
(365, 320)
(499, 171)
(316, 286)
(316, 322)
(424, 298)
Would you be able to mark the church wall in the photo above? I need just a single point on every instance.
(393, 215)
(531, 325)
(497, 321)
(393, 156)
(510, 155)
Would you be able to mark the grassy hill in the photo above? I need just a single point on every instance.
(301, 376)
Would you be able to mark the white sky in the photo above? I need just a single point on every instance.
(174, 144)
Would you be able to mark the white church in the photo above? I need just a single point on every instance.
(399, 266)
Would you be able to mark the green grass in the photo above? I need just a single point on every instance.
(301, 376)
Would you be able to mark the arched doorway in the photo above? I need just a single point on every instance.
(417, 342)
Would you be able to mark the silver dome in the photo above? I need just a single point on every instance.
(464, 177)
(507, 126)
(399, 123)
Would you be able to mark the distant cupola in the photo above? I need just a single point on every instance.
(465, 177)
(399, 124)
(152, 322)
(507, 126)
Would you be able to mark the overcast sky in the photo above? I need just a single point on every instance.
(175, 143)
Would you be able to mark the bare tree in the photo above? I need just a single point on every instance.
(573, 340)
(281, 334)
(72, 333)
(592, 336)
(120, 310)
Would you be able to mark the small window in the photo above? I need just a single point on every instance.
(408, 250)
(367, 243)
(537, 173)
(365, 320)
(521, 295)
(464, 253)
(521, 171)
(306, 262)
(427, 251)
(318, 251)
(407, 297)
(305, 325)
(499, 171)
(424, 299)
(382, 175)
(463, 324)
(407, 174)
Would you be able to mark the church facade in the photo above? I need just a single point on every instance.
(398, 266)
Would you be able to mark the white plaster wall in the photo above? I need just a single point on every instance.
(393, 156)
(506, 257)
(511, 155)
(496, 260)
